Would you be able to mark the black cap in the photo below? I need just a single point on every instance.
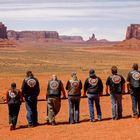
(91, 72)
(13, 85)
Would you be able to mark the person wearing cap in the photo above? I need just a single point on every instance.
(93, 87)
(116, 84)
(53, 97)
(30, 91)
(13, 99)
(133, 87)
(74, 87)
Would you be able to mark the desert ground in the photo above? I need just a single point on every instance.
(45, 59)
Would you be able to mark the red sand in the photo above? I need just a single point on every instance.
(124, 129)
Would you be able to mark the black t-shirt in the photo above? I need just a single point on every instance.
(115, 82)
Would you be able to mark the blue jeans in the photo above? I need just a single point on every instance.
(74, 102)
(91, 99)
(31, 107)
(116, 101)
(135, 96)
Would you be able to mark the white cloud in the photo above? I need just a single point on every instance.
(91, 15)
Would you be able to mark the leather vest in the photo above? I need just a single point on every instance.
(135, 79)
(93, 85)
(116, 83)
(74, 87)
(54, 88)
(13, 97)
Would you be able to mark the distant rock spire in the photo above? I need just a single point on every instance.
(3, 31)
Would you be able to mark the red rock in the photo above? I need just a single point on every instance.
(32, 35)
(133, 31)
(3, 31)
(71, 38)
(92, 39)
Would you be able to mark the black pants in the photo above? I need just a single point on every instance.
(13, 113)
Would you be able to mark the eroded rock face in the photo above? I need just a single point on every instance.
(71, 38)
(133, 31)
(32, 35)
(92, 39)
(3, 31)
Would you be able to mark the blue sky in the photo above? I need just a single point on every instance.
(105, 18)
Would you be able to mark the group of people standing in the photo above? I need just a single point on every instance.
(93, 89)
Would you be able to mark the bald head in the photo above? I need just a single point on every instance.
(54, 77)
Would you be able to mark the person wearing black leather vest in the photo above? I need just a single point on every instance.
(133, 86)
(116, 83)
(13, 99)
(53, 96)
(30, 91)
(74, 87)
(94, 88)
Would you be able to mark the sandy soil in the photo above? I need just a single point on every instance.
(62, 60)
(124, 129)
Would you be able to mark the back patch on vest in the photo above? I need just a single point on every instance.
(75, 84)
(136, 76)
(31, 82)
(93, 82)
(12, 94)
(54, 85)
(116, 79)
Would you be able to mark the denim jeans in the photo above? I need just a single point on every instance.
(74, 102)
(91, 99)
(31, 107)
(13, 113)
(135, 96)
(116, 101)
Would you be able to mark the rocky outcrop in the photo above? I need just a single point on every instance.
(71, 38)
(3, 31)
(92, 39)
(32, 35)
(133, 31)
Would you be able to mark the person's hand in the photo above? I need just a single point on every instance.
(84, 94)
(64, 97)
(107, 94)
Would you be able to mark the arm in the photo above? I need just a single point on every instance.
(21, 97)
(23, 88)
(7, 97)
(38, 88)
(63, 91)
(47, 91)
(85, 87)
(67, 85)
(123, 86)
(128, 83)
(107, 90)
(107, 85)
(100, 86)
(80, 84)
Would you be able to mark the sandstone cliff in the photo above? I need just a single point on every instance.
(133, 31)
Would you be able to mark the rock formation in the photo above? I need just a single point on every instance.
(71, 38)
(133, 31)
(3, 31)
(32, 35)
(92, 39)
